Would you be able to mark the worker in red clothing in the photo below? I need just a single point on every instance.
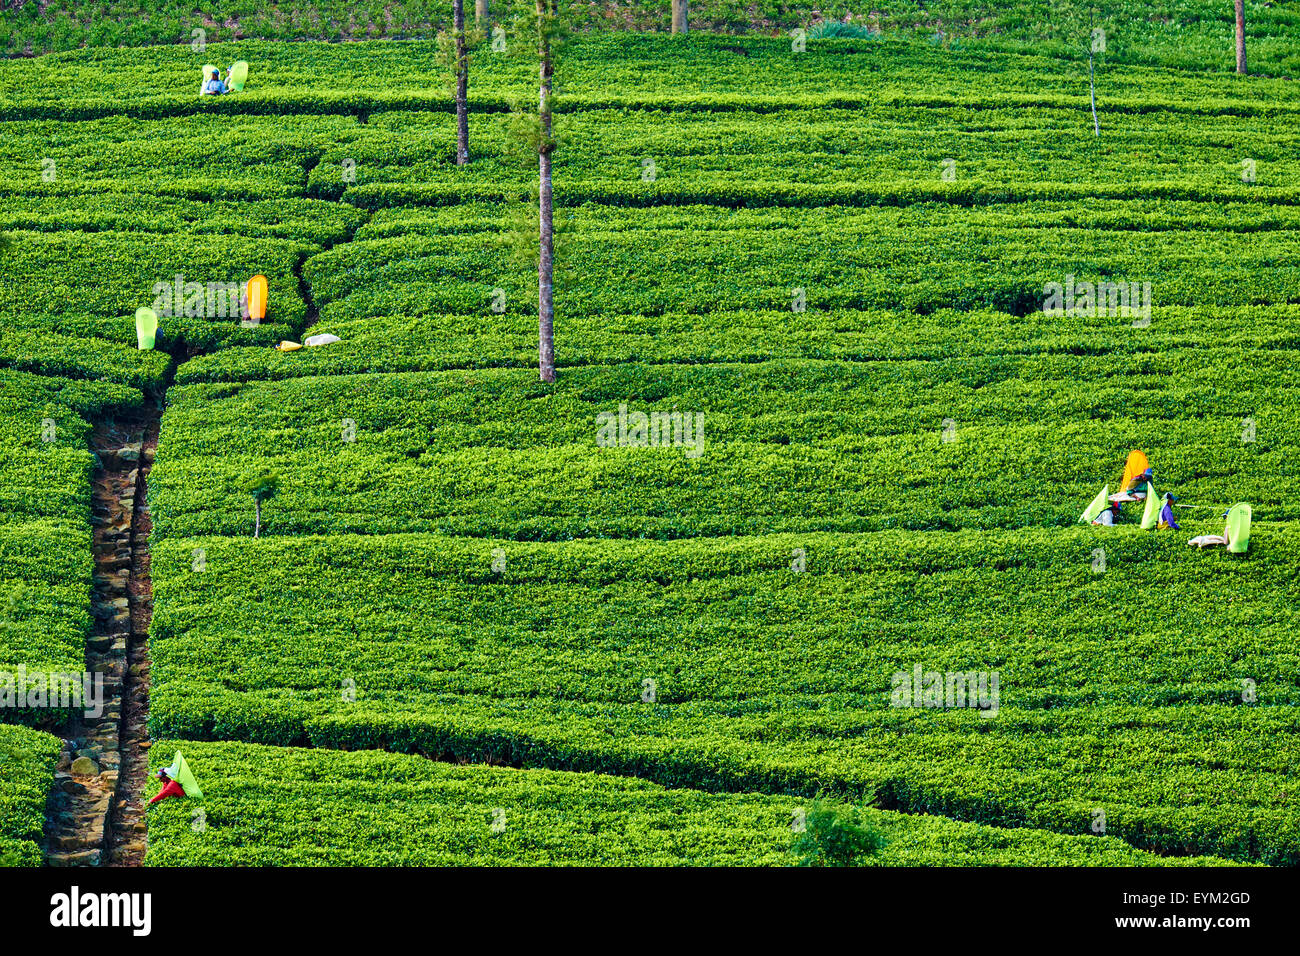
(170, 788)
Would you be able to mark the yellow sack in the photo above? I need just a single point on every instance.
(255, 295)
(1136, 465)
(287, 346)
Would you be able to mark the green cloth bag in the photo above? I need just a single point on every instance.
(181, 773)
(146, 327)
(1151, 513)
(1239, 528)
(1097, 507)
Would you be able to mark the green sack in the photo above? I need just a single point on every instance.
(146, 327)
(238, 77)
(1151, 513)
(1098, 505)
(1238, 528)
(180, 772)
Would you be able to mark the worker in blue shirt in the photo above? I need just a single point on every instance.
(1167, 513)
(214, 86)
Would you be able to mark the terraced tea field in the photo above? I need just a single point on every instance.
(820, 278)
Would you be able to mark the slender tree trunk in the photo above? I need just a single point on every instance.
(481, 12)
(1241, 35)
(462, 84)
(546, 233)
(1092, 96)
(681, 16)
(257, 526)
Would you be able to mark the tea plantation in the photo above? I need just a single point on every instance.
(472, 632)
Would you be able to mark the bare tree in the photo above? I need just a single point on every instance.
(462, 83)
(1096, 44)
(481, 12)
(544, 25)
(1081, 34)
(1241, 35)
(681, 16)
(547, 20)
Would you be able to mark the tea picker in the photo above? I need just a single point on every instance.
(1236, 529)
(178, 781)
(1167, 512)
(1137, 483)
(234, 82)
(212, 85)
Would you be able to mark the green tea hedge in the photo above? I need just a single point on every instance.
(784, 446)
(288, 807)
(27, 760)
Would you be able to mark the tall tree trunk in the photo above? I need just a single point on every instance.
(257, 526)
(481, 12)
(546, 233)
(1241, 35)
(462, 84)
(1092, 96)
(681, 16)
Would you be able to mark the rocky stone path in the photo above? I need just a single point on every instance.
(94, 817)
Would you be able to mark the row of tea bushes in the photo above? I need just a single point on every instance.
(308, 220)
(695, 71)
(279, 627)
(878, 265)
(444, 342)
(774, 446)
(652, 157)
(290, 807)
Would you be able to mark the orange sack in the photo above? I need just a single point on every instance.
(257, 298)
(1137, 463)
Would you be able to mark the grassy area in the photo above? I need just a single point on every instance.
(764, 678)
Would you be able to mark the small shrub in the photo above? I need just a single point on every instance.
(834, 836)
(835, 30)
